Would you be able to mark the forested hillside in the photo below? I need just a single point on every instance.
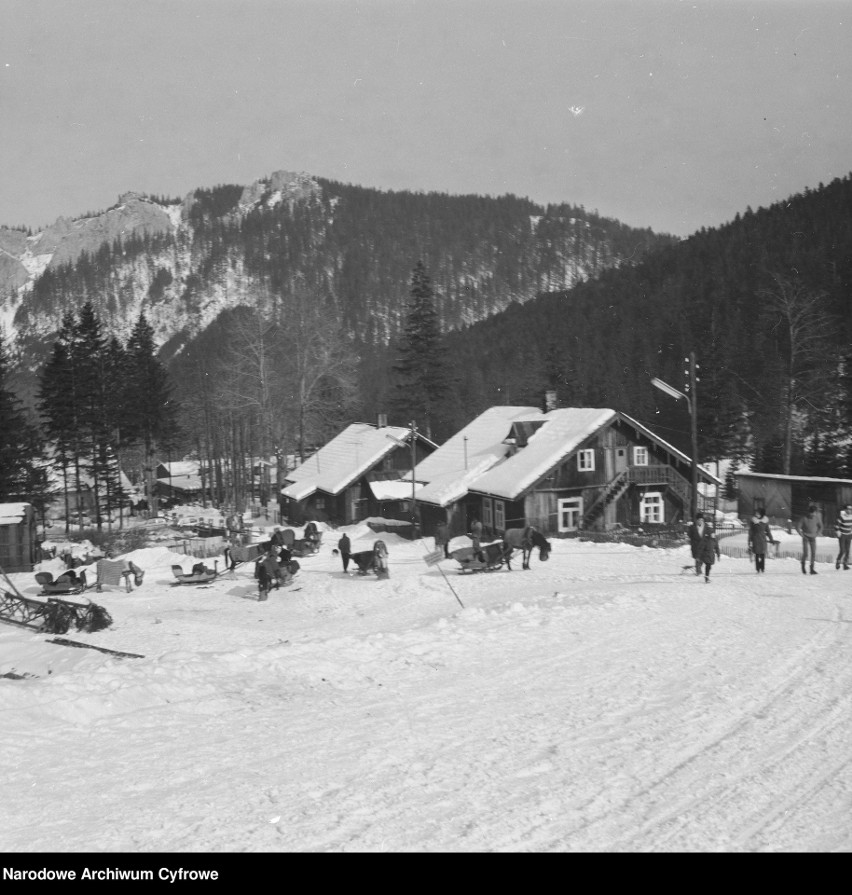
(765, 303)
(292, 239)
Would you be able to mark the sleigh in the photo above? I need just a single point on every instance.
(491, 557)
(51, 587)
(301, 546)
(195, 577)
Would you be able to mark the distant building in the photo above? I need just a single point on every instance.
(360, 473)
(18, 542)
(784, 497)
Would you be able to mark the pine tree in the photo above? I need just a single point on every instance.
(22, 473)
(58, 407)
(421, 374)
(152, 418)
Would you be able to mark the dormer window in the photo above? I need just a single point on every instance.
(586, 460)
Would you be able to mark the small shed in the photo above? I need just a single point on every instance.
(18, 543)
(786, 497)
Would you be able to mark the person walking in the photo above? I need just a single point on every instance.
(843, 526)
(809, 528)
(696, 533)
(442, 538)
(707, 551)
(476, 537)
(759, 535)
(344, 545)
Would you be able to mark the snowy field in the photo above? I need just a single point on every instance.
(602, 701)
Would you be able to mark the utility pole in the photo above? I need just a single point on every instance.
(413, 439)
(692, 404)
(693, 412)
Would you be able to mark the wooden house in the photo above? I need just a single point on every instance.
(18, 541)
(577, 468)
(349, 479)
(445, 476)
(785, 498)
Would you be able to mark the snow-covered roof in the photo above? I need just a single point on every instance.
(356, 450)
(12, 513)
(182, 482)
(564, 430)
(794, 478)
(181, 467)
(472, 451)
(394, 489)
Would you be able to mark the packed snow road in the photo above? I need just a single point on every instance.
(603, 701)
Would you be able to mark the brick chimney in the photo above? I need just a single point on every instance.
(549, 400)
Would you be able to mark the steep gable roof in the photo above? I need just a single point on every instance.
(470, 452)
(356, 450)
(565, 429)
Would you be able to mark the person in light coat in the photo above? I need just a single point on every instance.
(809, 528)
(843, 526)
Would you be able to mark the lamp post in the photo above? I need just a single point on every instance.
(692, 405)
(412, 439)
(413, 483)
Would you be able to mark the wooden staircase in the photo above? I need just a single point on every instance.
(665, 476)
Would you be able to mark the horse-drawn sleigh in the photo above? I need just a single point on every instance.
(489, 557)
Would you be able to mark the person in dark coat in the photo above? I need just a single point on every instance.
(344, 545)
(759, 535)
(707, 550)
(696, 532)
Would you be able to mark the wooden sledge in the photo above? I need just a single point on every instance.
(492, 558)
(64, 584)
(196, 578)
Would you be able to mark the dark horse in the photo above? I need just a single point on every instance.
(525, 539)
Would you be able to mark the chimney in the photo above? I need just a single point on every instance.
(550, 400)
(381, 420)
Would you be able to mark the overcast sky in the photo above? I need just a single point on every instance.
(666, 114)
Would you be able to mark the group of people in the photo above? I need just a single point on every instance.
(705, 545)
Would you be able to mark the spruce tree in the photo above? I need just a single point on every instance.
(151, 414)
(421, 374)
(22, 473)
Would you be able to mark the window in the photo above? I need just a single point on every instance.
(320, 503)
(570, 513)
(499, 515)
(586, 460)
(640, 456)
(487, 513)
(651, 507)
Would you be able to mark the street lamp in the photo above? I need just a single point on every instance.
(692, 405)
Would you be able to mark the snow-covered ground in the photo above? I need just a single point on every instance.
(605, 700)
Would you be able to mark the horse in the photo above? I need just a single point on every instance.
(375, 560)
(524, 539)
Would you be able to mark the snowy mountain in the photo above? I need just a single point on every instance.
(185, 261)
